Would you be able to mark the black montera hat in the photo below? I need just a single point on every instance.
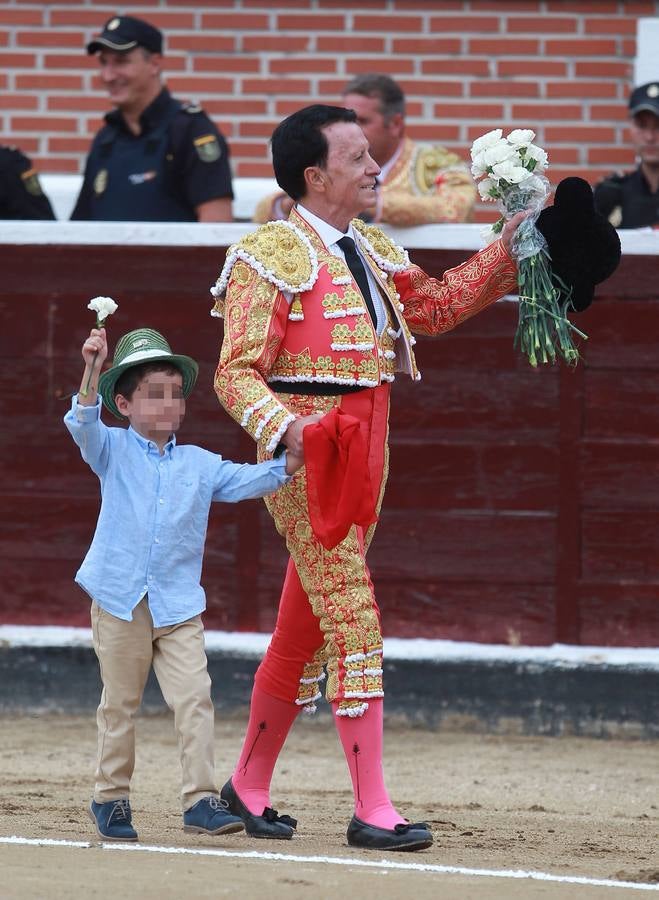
(122, 33)
(583, 245)
(645, 99)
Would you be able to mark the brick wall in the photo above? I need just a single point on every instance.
(563, 69)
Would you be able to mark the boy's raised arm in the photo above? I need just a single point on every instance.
(94, 353)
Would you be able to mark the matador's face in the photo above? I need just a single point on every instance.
(350, 172)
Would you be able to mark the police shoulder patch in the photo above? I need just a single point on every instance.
(31, 182)
(208, 148)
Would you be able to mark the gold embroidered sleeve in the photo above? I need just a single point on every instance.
(431, 306)
(255, 319)
(451, 200)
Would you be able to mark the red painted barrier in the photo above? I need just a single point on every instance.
(522, 504)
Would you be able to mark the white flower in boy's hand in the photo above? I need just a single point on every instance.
(103, 307)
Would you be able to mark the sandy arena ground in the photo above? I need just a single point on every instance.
(564, 806)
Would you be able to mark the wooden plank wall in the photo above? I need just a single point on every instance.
(522, 504)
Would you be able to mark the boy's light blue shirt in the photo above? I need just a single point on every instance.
(154, 515)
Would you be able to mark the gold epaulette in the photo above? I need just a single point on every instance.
(279, 252)
(389, 256)
(429, 162)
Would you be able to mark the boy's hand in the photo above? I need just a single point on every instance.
(293, 462)
(292, 437)
(95, 348)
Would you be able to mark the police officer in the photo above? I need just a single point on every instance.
(632, 200)
(156, 159)
(21, 196)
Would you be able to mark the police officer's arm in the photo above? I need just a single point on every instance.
(201, 157)
(82, 211)
(21, 196)
(215, 211)
(607, 197)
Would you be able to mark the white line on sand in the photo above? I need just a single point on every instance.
(342, 861)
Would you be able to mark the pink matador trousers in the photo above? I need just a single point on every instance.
(328, 616)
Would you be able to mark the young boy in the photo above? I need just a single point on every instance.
(143, 568)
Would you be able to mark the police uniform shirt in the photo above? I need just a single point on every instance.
(21, 196)
(178, 161)
(626, 201)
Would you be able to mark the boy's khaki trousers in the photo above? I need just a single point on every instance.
(126, 651)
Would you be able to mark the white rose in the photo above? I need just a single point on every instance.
(498, 153)
(478, 166)
(508, 171)
(487, 188)
(521, 136)
(485, 141)
(539, 155)
(103, 307)
(538, 184)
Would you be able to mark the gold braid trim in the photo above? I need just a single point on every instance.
(380, 247)
(255, 320)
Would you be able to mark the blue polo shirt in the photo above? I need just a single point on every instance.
(152, 525)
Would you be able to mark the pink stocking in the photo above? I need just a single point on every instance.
(270, 720)
(361, 738)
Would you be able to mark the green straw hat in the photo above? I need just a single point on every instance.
(144, 345)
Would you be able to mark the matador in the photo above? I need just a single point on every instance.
(301, 336)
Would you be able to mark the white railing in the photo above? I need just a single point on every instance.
(63, 190)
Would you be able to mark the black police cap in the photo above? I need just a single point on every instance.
(645, 98)
(122, 33)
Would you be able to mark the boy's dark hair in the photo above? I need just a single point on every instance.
(298, 142)
(130, 380)
(371, 84)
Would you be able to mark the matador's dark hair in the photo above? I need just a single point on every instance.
(299, 142)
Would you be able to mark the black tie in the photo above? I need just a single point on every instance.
(356, 266)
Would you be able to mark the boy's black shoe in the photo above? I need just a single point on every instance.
(113, 820)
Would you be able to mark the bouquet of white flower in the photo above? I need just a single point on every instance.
(509, 171)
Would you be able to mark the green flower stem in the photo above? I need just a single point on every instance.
(544, 331)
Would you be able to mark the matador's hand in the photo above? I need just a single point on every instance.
(292, 437)
(510, 228)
